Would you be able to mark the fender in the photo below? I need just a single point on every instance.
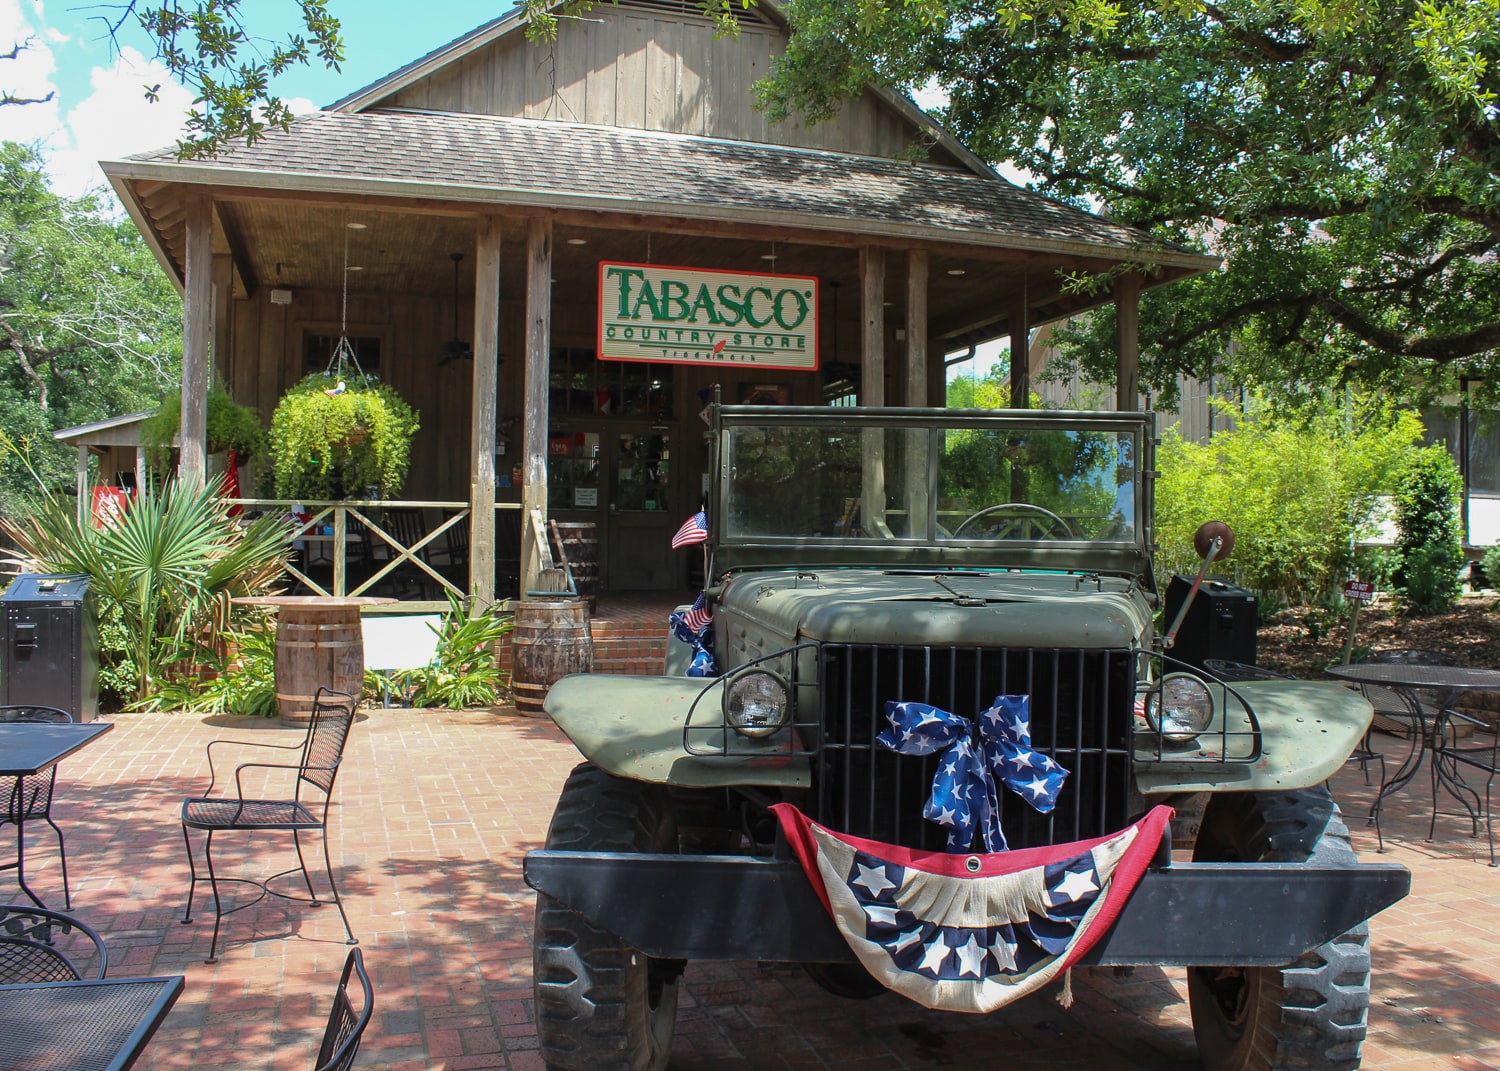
(1309, 730)
(632, 727)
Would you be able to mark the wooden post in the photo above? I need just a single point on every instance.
(84, 505)
(223, 319)
(1020, 351)
(197, 338)
(916, 490)
(1127, 342)
(484, 421)
(538, 357)
(872, 325)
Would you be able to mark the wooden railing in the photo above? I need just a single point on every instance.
(328, 522)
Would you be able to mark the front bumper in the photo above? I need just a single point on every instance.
(1182, 915)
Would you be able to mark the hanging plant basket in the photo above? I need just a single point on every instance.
(341, 438)
(230, 427)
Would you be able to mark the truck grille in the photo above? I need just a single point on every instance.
(1081, 715)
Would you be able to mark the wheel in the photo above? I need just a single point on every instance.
(602, 1005)
(1311, 1014)
(1057, 528)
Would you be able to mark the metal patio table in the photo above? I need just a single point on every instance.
(99, 1025)
(1442, 683)
(28, 748)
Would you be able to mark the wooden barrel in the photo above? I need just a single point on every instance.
(549, 639)
(316, 647)
(580, 543)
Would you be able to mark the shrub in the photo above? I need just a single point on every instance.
(1299, 492)
(1429, 576)
(1490, 566)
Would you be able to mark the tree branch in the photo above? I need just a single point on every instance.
(17, 345)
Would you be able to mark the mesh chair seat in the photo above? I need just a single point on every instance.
(341, 1037)
(317, 767)
(247, 814)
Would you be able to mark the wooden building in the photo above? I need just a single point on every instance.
(460, 218)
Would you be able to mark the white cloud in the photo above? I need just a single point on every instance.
(29, 76)
(117, 120)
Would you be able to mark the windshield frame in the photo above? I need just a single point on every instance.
(728, 551)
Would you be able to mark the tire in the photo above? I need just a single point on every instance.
(1311, 1014)
(602, 1005)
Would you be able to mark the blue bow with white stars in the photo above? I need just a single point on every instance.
(994, 748)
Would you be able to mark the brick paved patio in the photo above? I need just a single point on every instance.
(435, 812)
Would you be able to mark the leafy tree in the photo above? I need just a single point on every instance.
(1343, 159)
(89, 326)
(1428, 535)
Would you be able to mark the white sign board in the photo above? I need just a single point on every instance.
(654, 312)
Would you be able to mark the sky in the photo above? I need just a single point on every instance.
(100, 110)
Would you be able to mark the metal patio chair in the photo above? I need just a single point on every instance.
(1451, 758)
(345, 1027)
(30, 952)
(321, 752)
(29, 799)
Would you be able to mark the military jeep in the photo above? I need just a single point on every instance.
(857, 558)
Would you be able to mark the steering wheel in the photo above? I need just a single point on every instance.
(1057, 528)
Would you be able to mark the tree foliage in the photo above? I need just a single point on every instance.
(1343, 159)
(90, 327)
(210, 47)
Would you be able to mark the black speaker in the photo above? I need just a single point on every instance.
(1220, 623)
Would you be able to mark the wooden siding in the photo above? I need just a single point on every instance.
(644, 70)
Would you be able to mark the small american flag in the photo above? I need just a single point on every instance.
(698, 616)
(693, 530)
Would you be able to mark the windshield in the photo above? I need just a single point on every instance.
(964, 481)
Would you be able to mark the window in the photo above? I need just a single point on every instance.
(581, 385)
(318, 347)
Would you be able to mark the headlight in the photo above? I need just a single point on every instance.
(757, 703)
(1181, 708)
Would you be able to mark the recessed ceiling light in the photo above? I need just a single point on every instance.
(355, 226)
(955, 271)
(578, 241)
(768, 256)
(356, 267)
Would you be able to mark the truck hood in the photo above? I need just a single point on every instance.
(963, 608)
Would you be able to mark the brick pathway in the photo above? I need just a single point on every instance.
(435, 812)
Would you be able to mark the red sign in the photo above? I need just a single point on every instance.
(109, 506)
(1363, 590)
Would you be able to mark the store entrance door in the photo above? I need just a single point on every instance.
(643, 511)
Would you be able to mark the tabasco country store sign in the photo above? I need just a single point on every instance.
(653, 312)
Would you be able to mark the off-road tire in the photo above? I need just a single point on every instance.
(602, 1005)
(1311, 1014)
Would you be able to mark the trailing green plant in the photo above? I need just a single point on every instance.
(1300, 492)
(463, 673)
(231, 426)
(168, 568)
(1428, 532)
(339, 439)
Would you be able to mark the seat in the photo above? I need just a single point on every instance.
(1450, 759)
(29, 798)
(317, 767)
(346, 1027)
(33, 949)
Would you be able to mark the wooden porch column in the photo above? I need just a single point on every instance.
(1020, 351)
(482, 423)
(84, 505)
(915, 394)
(538, 355)
(1127, 342)
(197, 339)
(223, 319)
(872, 325)
(916, 327)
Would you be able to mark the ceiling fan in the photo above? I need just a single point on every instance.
(455, 349)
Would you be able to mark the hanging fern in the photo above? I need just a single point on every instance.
(341, 441)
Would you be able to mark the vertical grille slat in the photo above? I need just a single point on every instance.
(1080, 715)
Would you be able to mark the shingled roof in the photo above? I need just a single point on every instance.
(524, 162)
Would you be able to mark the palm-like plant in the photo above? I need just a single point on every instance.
(171, 564)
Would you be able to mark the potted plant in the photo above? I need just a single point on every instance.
(231, 427)
(339, 439)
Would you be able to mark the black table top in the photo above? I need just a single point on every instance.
(1416, 675)
(82, 1026)
(30, 747)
